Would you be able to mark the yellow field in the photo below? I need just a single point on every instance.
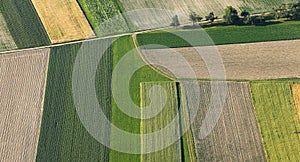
(296, 96)
(63, 20)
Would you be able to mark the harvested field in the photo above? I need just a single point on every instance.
(6, 40)
(296, 96)
(23, 23)
(235, 136)
(183, 7)
(22, 89)
(266, 60)
(63, 20)
(167, 100)
(277, 120)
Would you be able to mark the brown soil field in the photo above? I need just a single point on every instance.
(6, 40)
(296, 97)
(266, 60)
(236, 136)
(22, 89)
(63, 20)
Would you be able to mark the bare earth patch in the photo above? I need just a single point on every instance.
(6, 40)
(266, 60)
(235, 137)
(22, 89)
(64, 21)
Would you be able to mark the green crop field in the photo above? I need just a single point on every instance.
(6, 40)
(63, 137)
(146, 74)
(277, 120)
(24, 23)
(99, 11)
(169, 112)
(223, 35)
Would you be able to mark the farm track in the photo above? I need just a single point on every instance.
(22, 90)
(236, 136)
(66, 23)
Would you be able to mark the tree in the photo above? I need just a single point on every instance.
(245, 14)
(210, 17)
(231, 15)
(194, 17)
(175, 21)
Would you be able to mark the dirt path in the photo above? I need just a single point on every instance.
(158, 70)
(22, 89)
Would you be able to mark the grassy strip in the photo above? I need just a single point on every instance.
(145, 74)
(99, 12)
(63, 137)
(187, 138)
(168, 113)
(277, 120)
(24, 23)
(223, 35)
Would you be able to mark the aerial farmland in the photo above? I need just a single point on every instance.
(23, 82)
(64, 24)
(149, 81)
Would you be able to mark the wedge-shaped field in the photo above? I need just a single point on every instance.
(235, 136)
(63, 20)
(22, 89)
(6, 40)
(23, 23)
(296, 96)
(160, 96)
(63, 136)
(277, 120)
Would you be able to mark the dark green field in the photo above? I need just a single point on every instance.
(99, 11)
(24, 23)
(63, 137)
(287, 30)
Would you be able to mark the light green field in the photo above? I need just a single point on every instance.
(277, 120)
(105, 16)
(164, 118)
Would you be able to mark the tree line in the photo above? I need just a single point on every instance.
(231, 16)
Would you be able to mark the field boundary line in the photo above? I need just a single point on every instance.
(146, 61)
